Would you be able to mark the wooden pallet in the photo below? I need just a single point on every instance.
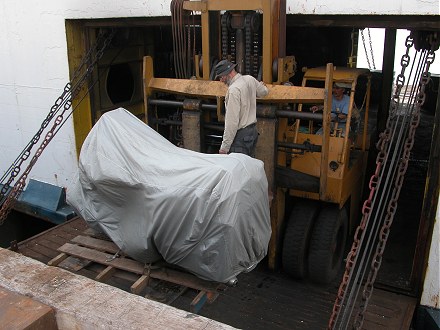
(157, 281)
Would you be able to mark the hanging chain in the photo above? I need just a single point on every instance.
(382, 144)
(248, 43)
(15, 168)
(371, 49)
(342, 302)
(256, 51)
(64, 102)
(225, 34)
(233, 47)
(392, 205)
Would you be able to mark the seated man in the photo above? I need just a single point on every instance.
(340, 106)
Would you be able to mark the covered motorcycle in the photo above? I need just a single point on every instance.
(206, 213)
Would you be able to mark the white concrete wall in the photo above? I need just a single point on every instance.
(362, 7)
(431, 286)
(34, 70)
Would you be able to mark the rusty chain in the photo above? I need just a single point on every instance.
(371, 49)
(9, 195)
(383, 145)
(392, 204)
(61, 100)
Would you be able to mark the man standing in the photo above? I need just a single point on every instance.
(240, 134)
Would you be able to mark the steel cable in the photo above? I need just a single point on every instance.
(394, 143)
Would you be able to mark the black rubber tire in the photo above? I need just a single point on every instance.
(297, 237)
(327, 244)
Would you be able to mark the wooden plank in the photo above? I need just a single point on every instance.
(55, 261)
(56, 239)
(75, 221)
(21, 312)
(90, 232)
(133, 266)
(184, 279)
(105, 274)
(102, 258)
(79, 224)
(214, 89)
(49, 244)
(140, 284)
(97, 244)
(389, 310)
(195, 88)
(33, 254)
(84, 303)
(74, 264)
(72, 227)
(67, 233)
(43, 250)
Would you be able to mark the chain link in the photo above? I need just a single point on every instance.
(248, 43)
(392, 205)
(382, 145)
(256, 54)
(371, 49)
(71, 90)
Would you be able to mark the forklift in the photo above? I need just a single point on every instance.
(317, 177)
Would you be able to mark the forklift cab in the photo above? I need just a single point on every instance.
(356, 88)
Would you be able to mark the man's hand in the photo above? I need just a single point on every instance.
(342, 116)
(316, 108)
(223, 152)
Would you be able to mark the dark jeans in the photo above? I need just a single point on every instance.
(245, 140)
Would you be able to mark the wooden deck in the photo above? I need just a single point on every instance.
(262, 299)
(158, 281)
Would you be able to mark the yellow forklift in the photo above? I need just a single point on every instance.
(327, 198)
(323, 172)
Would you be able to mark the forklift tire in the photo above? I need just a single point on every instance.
(297, 237)
(327, 244)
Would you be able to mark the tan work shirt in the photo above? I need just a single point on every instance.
(241, 105)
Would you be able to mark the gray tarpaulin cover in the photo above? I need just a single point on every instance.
(207, 213)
